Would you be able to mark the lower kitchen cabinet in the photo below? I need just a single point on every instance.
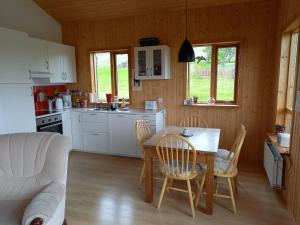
(67, 125)
(122, 135)
(76, 130)
(110, 132)
(95, 142)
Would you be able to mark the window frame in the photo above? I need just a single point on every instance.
(113, 70)
(214, 71)
(289, 111)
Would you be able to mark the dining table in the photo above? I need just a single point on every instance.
(206, 143)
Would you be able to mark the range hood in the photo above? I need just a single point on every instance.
(40, 77)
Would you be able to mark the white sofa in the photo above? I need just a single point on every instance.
(33, 173)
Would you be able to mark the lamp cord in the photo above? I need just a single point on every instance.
(186, 25)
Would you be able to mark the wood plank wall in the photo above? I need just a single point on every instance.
(250, 23)
(288, 11)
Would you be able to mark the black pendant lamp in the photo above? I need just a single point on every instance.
(186, 52)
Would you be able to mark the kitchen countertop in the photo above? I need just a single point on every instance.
(131, 111)
(53, 113)
(92, 110)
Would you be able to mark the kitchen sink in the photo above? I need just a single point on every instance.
(99, 109)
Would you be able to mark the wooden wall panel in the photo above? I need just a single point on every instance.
(250, 23)
(288, 11)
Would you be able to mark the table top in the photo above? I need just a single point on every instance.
(203, 139)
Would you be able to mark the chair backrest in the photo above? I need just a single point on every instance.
(142, 131)
(236, 149)
(194, 121)
(177, 156)
(30, 161)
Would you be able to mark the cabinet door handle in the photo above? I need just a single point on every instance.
(94, 134)
(147, 71)
(47, 64)
(151, 72)
(92, 114)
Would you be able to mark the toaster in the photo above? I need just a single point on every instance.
(152, 105)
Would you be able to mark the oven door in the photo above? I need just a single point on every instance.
(54, 127)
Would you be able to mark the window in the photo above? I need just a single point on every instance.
(111, 73)
(291, 78)
(292, 71)
(214, 74)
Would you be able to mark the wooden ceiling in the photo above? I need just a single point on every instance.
(76, 10)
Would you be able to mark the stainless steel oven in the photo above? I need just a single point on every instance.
(52, 123)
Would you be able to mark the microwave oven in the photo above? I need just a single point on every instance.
(151, 105)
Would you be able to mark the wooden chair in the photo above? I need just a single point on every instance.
(194, 121)
(226, 168)
(143, 132)
(227, 154)
(177, 159)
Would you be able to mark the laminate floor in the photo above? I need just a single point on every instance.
(104, 190)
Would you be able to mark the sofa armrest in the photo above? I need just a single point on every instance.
(43, 206)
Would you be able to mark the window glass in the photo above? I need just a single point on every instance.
(292, 70)
(226, 72)
(103, 74)
(200, 73)
(122, 75)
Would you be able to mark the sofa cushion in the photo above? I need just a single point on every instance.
(11, 212)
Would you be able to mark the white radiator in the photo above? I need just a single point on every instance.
(273, 163)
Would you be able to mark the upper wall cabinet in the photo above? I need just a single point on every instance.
(55, 60)
(14, 61)
(152, 62)
(69, 63)
(62, 63)
(38, 56)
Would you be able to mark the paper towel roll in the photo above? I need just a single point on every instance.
(93, 97)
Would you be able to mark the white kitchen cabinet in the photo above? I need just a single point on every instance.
(111, 132)
(14, 61)
(38, 56)
(55, 62)
(95, 142)
(69, 64)
(152, 62)
(62, 64)
(95, 136)
(77, 142)
(16, 108)
(122, 135)
(67, 125)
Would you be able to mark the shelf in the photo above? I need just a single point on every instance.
(282, 150)
(214, 105)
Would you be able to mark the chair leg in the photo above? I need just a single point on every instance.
(233, 186)
(142, 173)
(191, 198)
(169, 184)
(163, 189)
(200, 191)
(231, 195)
(236, 184)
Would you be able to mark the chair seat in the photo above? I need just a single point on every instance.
(11, 212)
(223, 153)
(165, 170)
(220, 165)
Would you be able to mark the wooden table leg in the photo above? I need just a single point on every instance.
(149, 180)
(209, 183)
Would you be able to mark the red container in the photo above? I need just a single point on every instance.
(83, 103)
(108, 98)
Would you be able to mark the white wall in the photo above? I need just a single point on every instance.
(27, 16)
